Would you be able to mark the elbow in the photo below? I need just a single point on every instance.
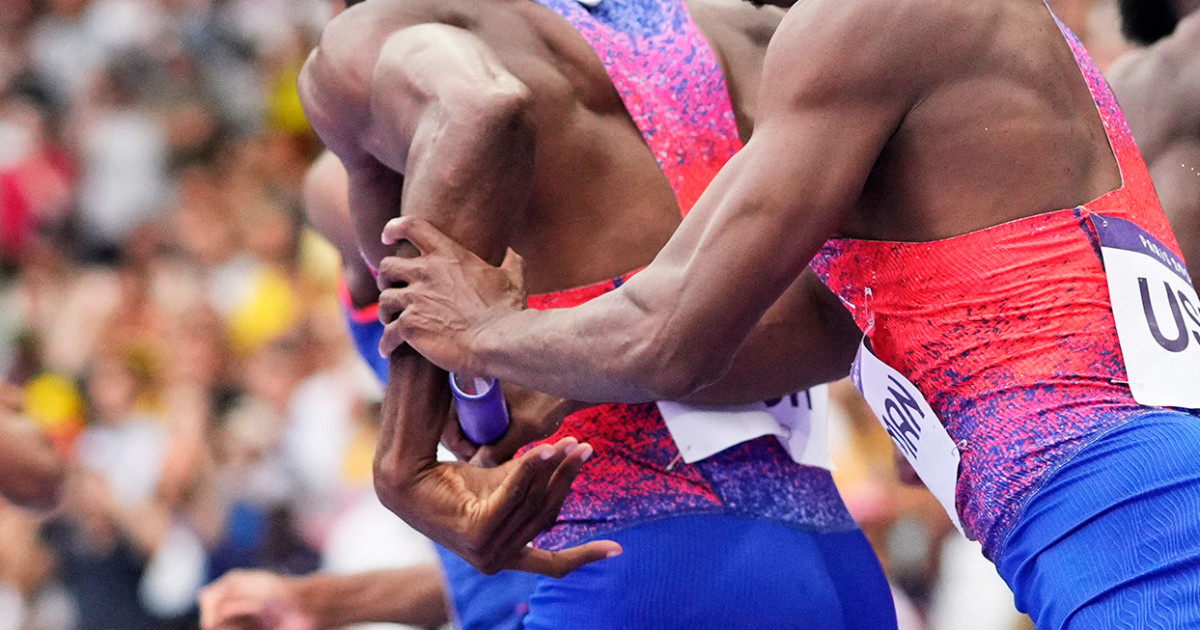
(676, 382)
(504, 106)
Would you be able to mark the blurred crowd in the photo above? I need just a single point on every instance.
(174, 327)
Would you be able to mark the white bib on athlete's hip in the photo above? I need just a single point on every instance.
(1157, 314)
(912, 424)
(799, 421)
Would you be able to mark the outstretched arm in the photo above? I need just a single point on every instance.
(678, 324)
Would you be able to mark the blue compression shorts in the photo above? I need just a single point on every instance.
(717, 571)
(753, 575)
(485, 602)
(1113, 538)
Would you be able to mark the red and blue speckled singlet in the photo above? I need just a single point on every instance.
(1007, 331)
(674, 89)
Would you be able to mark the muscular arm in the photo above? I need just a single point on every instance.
(444, 134)
(1158, 88)
(806, 338)
(415, 596)
(445, 137)
(677, 325)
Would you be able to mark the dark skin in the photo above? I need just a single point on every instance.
(533, 416)
(908, 121)
(1158, 87)
(476, 116)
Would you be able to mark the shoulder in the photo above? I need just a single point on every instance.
(335, 82)
(905, 39)
(756, 24)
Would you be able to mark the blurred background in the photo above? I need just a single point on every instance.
(173, 325)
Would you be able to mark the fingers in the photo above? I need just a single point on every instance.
(394, 333)
(392, 302)
(393, 339)
(559, 563)
(542, 504)
(397, 271)
(419, 232)
(457, 442)
(542, 498)
(231, 612)
(527, 474)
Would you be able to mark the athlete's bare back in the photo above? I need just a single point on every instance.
(1009, 130)
(598, 204)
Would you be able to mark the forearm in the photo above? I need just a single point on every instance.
(415, 410)
(675, 326)
(414, 596)
(467, 136)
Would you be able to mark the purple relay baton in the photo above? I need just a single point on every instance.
(482, 413)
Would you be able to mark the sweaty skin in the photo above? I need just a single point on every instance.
(495, 121)
(907, 121)
(1159, 89)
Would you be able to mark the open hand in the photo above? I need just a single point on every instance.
(488, 516)
(438, 301)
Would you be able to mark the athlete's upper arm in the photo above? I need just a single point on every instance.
(431, 122)
(806, 338)
(441, 72)
(837, 83)
(449, 115)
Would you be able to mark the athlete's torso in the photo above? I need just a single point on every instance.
(600, 205)
(1008, 331)
(673, 87)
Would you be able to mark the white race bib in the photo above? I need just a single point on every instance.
(799, 421)
(913, 426)
(1157, 314)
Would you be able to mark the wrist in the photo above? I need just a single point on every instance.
(485, 356)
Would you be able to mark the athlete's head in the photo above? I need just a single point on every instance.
(1147, 21)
